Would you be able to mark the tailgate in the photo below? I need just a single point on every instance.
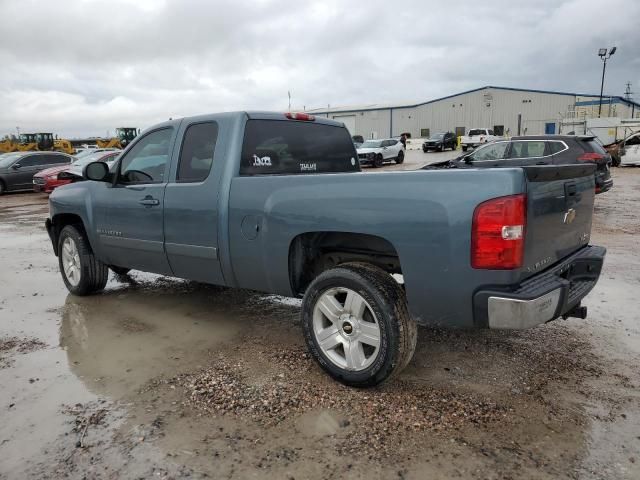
(559, 211)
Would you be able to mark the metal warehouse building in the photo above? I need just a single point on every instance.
(509, 111)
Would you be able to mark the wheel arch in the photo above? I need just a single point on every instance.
(61, 220)
(311, 253)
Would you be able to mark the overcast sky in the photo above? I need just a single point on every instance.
(84, 67)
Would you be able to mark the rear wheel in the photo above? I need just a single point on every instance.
(81, 272)
(378, 160)
(400, 157)
(357, 326)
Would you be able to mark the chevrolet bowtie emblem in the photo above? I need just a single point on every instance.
(569, 216)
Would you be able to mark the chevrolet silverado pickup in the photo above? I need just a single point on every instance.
(277, 203)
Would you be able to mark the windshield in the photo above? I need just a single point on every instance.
(8, 158)
(371, 144)
(437, 136)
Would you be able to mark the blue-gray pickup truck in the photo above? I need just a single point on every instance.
(277, 203)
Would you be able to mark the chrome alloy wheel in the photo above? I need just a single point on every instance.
(71, 261)
(346, 329)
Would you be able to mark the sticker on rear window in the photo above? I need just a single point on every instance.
(261, 161)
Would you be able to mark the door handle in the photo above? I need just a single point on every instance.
(149, 201)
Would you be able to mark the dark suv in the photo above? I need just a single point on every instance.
(440, 141)
(18, 168)
(540, 150)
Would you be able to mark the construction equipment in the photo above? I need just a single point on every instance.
(124, 136)
(8, 144)
(31, 142)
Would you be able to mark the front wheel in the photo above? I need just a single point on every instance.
(357, 326)
(81, 272)
(378, 160)
(400, 157)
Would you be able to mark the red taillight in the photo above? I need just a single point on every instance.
(300, 116)
(590, 157)
(497, 234)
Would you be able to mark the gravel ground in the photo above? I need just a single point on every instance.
(163, 378)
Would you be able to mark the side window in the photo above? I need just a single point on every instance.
(635, 140)
(494, 151)
(54, 159)
(196, 155)
(490, 132)
(555, 147)
(147, 160)
(527, 149)
(30, 161)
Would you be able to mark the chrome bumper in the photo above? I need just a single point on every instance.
(543, 297)
(514, 314)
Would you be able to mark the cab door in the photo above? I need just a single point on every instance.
(131, 231)
(191, 203)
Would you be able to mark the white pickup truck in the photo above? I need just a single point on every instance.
(477, 136)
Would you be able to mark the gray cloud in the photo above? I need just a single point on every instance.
(85, 67)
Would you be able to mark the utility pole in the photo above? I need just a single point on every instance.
(604, 56)
(289, 95)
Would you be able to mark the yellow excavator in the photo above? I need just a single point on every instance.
(124, 136)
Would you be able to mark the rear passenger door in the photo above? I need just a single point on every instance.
(191, 204)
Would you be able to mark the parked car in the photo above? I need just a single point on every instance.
(18, 168)
(92, 151)
(540, 150)
(47, 180)
(286, 210)
(476, 137)
(377, 152)
(357, 140)
(630, 153)
(440, 141)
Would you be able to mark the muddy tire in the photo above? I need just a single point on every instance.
(81, 272)
(378, 160)
(119, 270)
(400, 157)
(357, 326)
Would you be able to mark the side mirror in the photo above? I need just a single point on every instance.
(16, 166)
(468, 159)
(96, 171)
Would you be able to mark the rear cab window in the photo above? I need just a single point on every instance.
(289, 147)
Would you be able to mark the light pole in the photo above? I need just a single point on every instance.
(604, 56)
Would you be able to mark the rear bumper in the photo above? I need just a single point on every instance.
(543, 297)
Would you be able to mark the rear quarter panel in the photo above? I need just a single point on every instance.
(425, 215)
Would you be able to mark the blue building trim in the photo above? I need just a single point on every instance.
(526, 90)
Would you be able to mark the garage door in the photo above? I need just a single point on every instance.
(349, 122)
